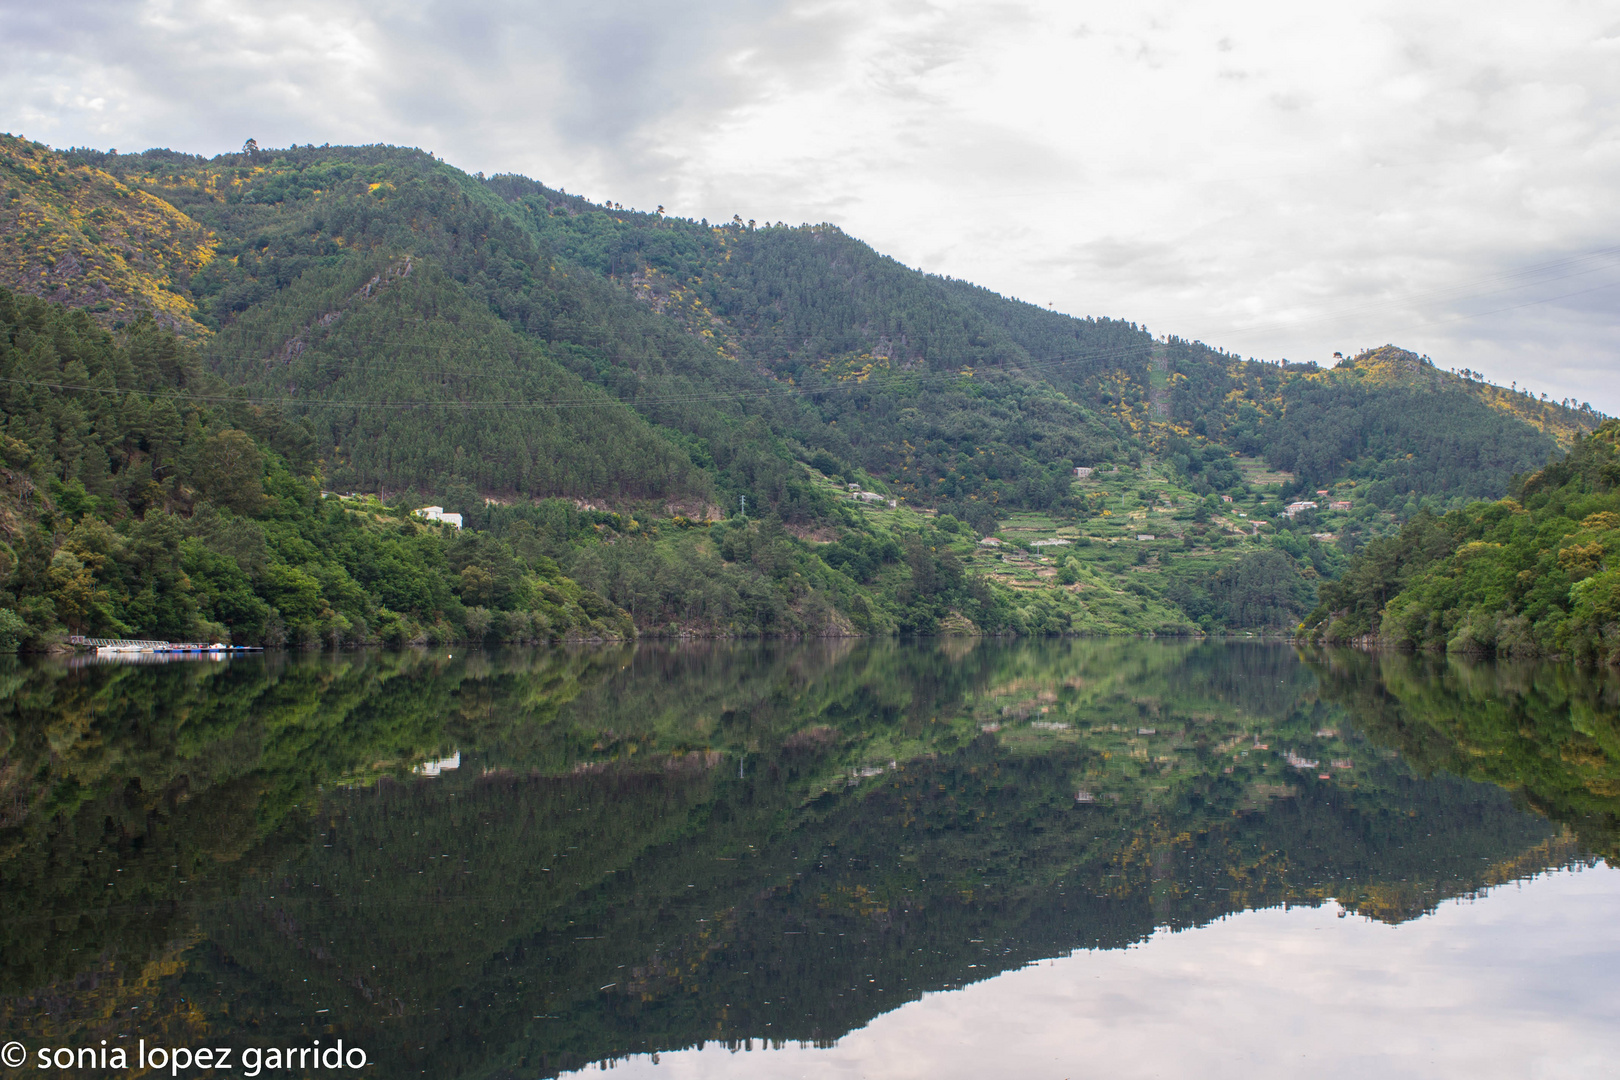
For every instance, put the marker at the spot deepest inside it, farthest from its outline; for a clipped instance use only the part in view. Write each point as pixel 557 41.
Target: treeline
pixel 743 577
pixel 1263 590
pixel 1523 576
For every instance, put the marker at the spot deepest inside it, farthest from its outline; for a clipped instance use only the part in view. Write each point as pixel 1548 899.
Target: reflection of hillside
pixel 130 794
pixel 1548 733
pixel 647 848
pixel 710 908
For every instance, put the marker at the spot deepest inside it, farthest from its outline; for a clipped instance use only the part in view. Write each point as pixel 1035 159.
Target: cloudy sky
pixel 1283 180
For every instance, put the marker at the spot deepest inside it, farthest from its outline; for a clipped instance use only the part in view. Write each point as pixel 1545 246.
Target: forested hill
pixel 75 234
pixel 488 344
pixel 1388 419
pixel 490 293
pixel 140 498
pixel 1528 575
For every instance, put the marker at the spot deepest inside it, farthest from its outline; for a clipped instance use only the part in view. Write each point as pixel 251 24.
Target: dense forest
pixel 134 510
pixel 145 499
pixel 1526 575
pixel 384 326
pixel 1407 434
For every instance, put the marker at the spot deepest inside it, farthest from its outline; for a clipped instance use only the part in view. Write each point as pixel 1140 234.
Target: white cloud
pixel 1281 180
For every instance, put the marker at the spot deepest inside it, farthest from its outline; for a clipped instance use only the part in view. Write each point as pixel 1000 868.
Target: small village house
pixel 436 513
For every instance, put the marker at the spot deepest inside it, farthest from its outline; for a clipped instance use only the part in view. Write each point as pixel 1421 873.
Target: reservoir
pixel 940 858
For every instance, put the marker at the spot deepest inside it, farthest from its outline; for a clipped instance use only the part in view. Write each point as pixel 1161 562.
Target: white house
pixel 436 513
pixel 434 768
pixel 1295 507
pixel 1082 471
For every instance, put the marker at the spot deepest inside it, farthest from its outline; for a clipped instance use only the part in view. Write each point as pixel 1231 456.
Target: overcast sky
pixel 1283 180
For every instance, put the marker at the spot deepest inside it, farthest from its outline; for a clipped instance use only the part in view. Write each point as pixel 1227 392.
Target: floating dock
pixel 136 647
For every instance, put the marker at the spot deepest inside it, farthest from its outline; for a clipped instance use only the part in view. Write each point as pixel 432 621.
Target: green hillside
pixel 524 357
pixel 1522 576
pixel 945 391
pixel 129 508
pixel 1387 420
pixel 72 233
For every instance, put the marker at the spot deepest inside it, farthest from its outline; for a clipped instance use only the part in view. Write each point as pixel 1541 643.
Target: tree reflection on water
pixel 653 847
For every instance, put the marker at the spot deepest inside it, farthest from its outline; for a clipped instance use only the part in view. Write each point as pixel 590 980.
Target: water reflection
pixel 524 863
pixel 1550 733
pixel 1519 985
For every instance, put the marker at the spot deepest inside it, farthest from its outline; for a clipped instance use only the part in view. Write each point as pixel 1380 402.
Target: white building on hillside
pixel 873 497
pixel 436 513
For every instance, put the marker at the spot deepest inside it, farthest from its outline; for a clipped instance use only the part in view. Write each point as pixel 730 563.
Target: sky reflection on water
pixel 1523 982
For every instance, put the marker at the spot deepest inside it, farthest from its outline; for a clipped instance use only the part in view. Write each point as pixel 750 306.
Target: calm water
pixel 957 859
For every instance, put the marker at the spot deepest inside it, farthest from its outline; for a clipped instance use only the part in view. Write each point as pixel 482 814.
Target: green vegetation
pixel 1406 434
pixel 73 234
pixel 131 510
pixel 1523 576
pixel 419 335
